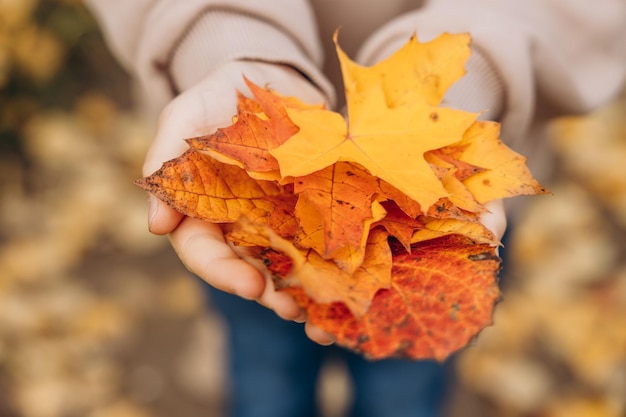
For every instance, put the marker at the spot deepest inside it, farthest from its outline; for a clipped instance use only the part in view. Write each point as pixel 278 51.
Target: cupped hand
pixel 200 245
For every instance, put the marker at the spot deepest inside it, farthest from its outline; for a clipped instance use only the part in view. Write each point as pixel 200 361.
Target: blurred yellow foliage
pixel 69 152
pixel 16 13
pixel 37 53
pixel 88 297
pixel 15 21
pixel 558 346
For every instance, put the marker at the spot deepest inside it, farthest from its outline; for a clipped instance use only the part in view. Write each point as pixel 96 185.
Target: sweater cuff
pixel 218 37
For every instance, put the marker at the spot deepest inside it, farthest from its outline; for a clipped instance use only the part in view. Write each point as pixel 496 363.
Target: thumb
pixel 190 114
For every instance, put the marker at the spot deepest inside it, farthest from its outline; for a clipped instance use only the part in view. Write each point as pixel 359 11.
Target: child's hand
pixel 200 245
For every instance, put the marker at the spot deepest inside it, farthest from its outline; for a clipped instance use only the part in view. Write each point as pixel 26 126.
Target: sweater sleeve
pixel 168 45
pixel 533 60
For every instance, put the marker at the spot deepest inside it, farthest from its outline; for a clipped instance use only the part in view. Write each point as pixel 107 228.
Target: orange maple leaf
pixel 260 125
pixel 342 195
pixel 199 186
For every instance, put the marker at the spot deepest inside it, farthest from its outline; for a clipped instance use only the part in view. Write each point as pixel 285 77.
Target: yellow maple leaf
pixel 460 196
pixel 506 174
pixel 389 139
pixel 416 72
pixel 434 228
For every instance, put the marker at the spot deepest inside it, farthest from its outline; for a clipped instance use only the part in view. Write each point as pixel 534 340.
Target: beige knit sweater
pixel 532 60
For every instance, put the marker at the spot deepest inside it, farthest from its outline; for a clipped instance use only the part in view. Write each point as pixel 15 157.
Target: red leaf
pixel 442 294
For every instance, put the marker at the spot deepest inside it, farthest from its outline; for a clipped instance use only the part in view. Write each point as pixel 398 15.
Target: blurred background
pixel 99 319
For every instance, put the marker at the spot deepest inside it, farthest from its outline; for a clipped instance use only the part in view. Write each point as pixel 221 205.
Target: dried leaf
pixel 199 186
pixel 323 281
pixel 248 140
pixel 398 224
pixel 342 196
pixel 434 228
pixel 506 173
pixel 448 174
pixel 442 294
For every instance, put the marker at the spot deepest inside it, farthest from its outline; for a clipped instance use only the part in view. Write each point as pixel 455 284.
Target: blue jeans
pixel 274 369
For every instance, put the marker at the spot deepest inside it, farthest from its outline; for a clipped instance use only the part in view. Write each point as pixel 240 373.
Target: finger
pixel 162 219
pixel 495 218
pixel 200 246
pixel 168 142
pixel 281 303
pixel 318 335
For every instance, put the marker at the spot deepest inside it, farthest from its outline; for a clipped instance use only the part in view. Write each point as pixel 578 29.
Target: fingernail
pixel 301 318
pixel 152 211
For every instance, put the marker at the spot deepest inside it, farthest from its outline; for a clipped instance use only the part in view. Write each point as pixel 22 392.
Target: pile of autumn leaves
pixel 372 225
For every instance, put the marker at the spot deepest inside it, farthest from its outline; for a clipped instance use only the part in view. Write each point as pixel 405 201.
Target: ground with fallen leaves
pixel 98 318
